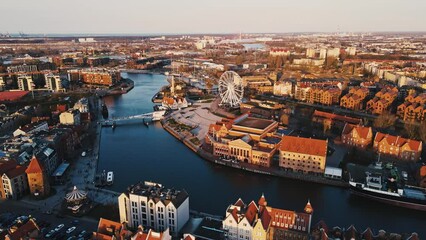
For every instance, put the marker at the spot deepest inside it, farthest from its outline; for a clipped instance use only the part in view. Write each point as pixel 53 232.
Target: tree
pixel 384 121
pixel 411 130
pixel 422 131
pixel 331 62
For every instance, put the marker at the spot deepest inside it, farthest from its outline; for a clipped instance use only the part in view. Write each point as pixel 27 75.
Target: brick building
pixel 357 136
pixel 399 147
pixel 38 180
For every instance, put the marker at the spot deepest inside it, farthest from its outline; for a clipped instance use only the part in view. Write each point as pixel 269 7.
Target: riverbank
pixel 124 86
pixel 276 172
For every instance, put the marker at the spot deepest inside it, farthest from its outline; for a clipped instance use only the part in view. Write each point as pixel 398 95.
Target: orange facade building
pixel 357 136
pixel 396 146
pixel 353 100
pixel 327 96
pixel 38 181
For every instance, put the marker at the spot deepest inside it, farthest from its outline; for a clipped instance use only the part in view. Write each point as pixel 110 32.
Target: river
pixel 137 153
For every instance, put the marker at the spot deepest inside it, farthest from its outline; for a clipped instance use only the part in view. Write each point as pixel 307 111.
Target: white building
pixel 25 83
pixel 53 82
pixel 334 52
pixel 82 105
pixel 323 53
pixel 351 51
pixel 70 117
pixel 14 183
pixel 310 53
pixel 239 220
pixel 153 206
pixel 284 88
pixel 31 128
pixel 2 84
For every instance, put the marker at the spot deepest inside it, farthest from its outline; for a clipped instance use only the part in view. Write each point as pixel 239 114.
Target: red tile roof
pixel 362 131
pixel 23 231
pixel 251 212
pixel 12 95
pixel 34 166
pixel 262 201
pixel 337 117
pixel 265 217
pixel 108 227
pixel 17 171
pixel 239 203
pixel 6 165
pixel 398 141
pixel 308 146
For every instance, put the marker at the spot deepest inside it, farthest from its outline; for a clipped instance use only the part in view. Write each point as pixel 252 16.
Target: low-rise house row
pixel 354 99
pixel 396 146
pixel 262 222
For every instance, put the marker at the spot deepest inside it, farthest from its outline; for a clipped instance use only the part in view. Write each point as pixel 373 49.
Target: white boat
pixel 110 178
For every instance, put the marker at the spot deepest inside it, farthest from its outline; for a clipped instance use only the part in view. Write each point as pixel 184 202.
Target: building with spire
pixel 38 180
pixel 262 222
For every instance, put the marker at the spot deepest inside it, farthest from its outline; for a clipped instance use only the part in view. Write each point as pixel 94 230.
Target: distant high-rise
pixel 323 53
pixel 334 52
pixel 351 51
pixel 310 53
pixel 53 82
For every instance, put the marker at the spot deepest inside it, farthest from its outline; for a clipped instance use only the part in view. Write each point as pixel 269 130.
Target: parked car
pixel 70 230
pixel 59 227
pixel 82 233
pixel 50 234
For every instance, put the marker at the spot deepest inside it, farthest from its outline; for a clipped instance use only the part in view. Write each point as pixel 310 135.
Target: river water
pixel 137 153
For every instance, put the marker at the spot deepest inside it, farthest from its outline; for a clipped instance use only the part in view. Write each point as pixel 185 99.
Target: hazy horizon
pixel 135 17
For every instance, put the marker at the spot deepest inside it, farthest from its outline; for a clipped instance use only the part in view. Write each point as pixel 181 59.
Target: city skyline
pixel 190 17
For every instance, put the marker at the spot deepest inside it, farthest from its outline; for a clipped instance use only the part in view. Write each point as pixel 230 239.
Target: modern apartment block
pixel 153 206
pixel 25 83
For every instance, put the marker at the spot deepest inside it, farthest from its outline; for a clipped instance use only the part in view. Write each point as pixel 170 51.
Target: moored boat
pixel 389 192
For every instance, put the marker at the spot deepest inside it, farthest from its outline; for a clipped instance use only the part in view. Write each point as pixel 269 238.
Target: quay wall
pixel 253 168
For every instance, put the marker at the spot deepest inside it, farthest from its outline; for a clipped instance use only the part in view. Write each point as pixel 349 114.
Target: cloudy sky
pixel 210 16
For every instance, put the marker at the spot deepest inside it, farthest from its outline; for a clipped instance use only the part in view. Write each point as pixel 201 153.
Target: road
pixel 22 208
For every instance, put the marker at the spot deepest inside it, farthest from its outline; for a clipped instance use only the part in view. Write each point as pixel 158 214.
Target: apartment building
pixel 305 155
pixel 396 146
pixel 153 206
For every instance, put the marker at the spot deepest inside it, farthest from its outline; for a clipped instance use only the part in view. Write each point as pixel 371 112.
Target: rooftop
pixel 257 123
pixel 302 145
pixel 158 192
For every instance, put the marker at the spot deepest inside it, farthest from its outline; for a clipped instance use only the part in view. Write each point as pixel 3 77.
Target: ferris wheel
pixel 231 89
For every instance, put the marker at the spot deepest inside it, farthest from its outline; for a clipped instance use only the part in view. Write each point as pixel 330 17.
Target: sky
pixel 210 16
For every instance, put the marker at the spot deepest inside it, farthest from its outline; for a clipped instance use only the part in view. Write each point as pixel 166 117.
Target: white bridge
pixel 154 116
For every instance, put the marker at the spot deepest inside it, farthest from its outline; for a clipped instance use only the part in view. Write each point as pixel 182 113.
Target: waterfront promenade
pixel 199 117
